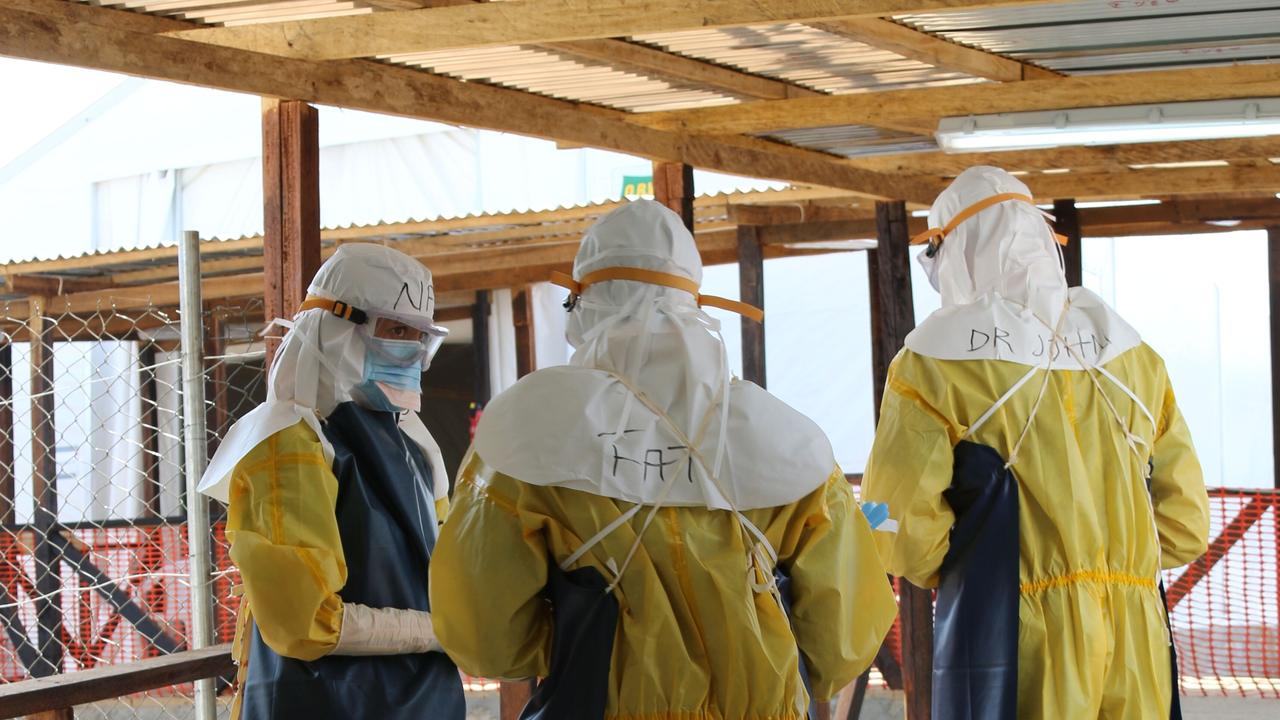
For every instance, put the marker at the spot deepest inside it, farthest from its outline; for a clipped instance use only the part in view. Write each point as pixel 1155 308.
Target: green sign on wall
pixel 637 185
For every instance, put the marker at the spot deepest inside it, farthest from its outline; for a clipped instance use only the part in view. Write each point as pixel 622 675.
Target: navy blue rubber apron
pixel 975 634
pixel 584 623
pixel 387 542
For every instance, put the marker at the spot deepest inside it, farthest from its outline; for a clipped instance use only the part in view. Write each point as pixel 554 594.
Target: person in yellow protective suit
pixel 1036 470
pixel 670 514
pixel 334 488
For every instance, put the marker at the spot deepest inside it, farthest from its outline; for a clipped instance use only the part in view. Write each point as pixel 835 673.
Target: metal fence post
pixel 198 531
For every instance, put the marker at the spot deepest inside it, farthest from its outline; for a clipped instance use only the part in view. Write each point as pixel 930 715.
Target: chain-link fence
pixel 93 491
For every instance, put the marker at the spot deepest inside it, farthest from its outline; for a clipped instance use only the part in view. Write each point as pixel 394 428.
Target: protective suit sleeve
pixel 487 576
pixel 909 468
pixel 284 539
pixel 842 605
pixel 1177 489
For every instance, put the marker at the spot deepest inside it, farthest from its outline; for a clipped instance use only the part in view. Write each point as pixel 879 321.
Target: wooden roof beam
pixel 1075 158
pixel 921 109
pixel 75 34
pixel 932 50
pixel 1152 183
pixel 531 22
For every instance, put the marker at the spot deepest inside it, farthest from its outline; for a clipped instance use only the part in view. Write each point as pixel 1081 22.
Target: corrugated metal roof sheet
pixel 1117 35
pixel 854 140
pixel 483 228
pixel 807 56
pixel 240 12
pixel 549 73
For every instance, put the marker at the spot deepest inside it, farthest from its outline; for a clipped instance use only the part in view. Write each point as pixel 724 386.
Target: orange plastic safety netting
pixel 1223 607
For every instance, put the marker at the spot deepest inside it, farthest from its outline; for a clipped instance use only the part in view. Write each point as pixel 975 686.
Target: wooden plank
pixel 81 35
pixel 1153 183
pixel 673 187
pixel 522 318
pixel 111 681
pixel 751 291
pixel 1076 158
pixel 892 317
pixel 651 62
pixel 217 418
pixel 1068 224
pixel 920 110
pixel 453 314
pixel 29 285
pixel 44 478
pixel 512 697
pixel 933 50
pixel 798 212
pixel 1180 210
pixel 822 231
pixel 531 22
pixel 7 516
pixel 1273 282
pixel 291 206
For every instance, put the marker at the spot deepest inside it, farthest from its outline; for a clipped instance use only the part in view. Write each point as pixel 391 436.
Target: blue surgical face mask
pixel 404 373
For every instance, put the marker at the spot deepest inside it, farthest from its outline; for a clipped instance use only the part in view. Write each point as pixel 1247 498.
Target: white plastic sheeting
pixel 1202 302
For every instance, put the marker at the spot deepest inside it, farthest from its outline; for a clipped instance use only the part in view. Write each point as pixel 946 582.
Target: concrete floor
pixel 885 705
pixel 879 705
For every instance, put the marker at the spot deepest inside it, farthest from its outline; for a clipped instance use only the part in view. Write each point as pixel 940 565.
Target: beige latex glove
pixel 385 631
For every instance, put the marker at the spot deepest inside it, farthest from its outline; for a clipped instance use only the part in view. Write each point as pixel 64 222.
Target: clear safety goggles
pixel 366 322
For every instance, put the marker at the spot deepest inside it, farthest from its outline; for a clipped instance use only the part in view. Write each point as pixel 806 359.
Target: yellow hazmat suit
pixel 332 499
pixel 1091 531
pixel 569 465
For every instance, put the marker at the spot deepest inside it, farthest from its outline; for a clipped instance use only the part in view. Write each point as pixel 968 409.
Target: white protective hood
pixel 1003 288
pixel 581 427
pixel 321 358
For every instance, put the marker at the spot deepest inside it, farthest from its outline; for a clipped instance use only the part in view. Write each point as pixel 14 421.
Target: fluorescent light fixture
pixel 1114 203
pixel 1208 120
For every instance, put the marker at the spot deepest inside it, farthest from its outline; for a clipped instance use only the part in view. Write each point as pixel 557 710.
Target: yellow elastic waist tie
pixel 653 277
pixel 1098 577
pixel 337 307
pixel 939 234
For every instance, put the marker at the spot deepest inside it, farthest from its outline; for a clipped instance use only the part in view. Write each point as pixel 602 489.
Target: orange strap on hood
pixel 939 234
pixel 653 277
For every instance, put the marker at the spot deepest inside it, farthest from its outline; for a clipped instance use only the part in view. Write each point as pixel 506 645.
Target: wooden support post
pixel 7 516
pixel 751 291
pixel 150 422
pixel 480 346
pixel 1068 223
pixel 215 379
pixel 44 464
pixel 522 317
pixel 291 206
pixel 892 317
pixel 673 187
